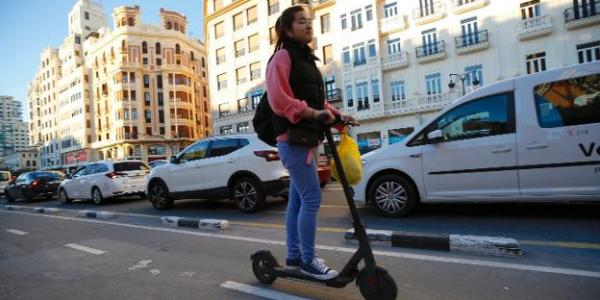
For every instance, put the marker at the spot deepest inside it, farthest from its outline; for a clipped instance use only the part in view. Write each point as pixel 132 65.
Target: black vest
pixel 306 83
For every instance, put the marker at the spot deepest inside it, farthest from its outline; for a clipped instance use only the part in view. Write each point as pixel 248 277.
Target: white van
pixel 531 138
pixel 4 180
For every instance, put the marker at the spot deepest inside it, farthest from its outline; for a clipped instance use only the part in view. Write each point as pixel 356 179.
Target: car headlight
pixel 364 161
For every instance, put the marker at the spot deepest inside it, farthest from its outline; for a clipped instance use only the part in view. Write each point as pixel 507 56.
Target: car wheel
pixel 97 196
pixel 392 196
pixel 159 196
pixel 247 194
pixel 62 197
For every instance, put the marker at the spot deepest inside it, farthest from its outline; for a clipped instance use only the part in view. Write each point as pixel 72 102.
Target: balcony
pixel 131 135
pixel 334 95
pixel 535 27
pixel 362 67
pixel 472 42
pixel 429 14
pixel 583 15
pixel 419 104
pixel 392 24
pixel 242 112
pixel 394 61
pixel 431 52
pixel 463 6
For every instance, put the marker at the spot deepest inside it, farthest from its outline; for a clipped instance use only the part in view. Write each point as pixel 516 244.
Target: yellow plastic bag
pixel 350 158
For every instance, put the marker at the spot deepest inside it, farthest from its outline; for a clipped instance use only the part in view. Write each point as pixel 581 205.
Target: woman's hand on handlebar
pixel 348 119
pixel 324 116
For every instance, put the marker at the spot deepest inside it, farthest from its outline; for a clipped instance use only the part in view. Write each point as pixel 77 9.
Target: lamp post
pixel 462 77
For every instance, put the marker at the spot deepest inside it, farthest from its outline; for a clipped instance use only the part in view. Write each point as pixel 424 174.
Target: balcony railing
pixel 582 15
pixel 392 24
pixel 424 103
pixel 471 42
pixel 394 61
pixel 131 135
pixel 462 6
pixel 535 27
pixel 333 95
pixel 430 13
pixel 432 51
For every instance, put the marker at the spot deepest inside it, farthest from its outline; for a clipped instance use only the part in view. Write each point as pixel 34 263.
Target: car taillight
pixel 36 183
pixel 113 175
pixel 269 155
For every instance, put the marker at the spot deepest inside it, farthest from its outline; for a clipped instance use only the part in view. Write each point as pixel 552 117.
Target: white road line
pixel 431 258
pixel 17 232
pixel 85 249
pixel 265 293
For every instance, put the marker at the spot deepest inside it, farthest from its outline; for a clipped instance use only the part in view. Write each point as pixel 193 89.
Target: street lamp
pixel 462 77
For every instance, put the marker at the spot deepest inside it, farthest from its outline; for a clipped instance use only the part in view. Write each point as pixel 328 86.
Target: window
pixel 473 73
pixel 144 47
pixel 251 15
pixel 349 95
pixel 217 4
pixel 362 95
pixel 157 48
pixel 346 56
pixel 253 42
pixel 588 52
pixel 160 98
pixel 536 62
pixel 343 21
pixel 255 71
pixel 393 46
pixel 430 45
pixel 241 75
pixel 325 25
pixel 356 18
pixel 272 35
pixel 177 49
pixel 397 135
pixel 372 49
pixel 130 22
pixel 159 62
pixel 147 99
pixel 223 147
pixel 434 84
pixel 220 55
pixel 568 102
pixel 369 12
pixel 375 89
pixel 159 82
pixel 359 54
pixel 240 48
pixel 256 98
pixel 145 61
pixel 219 29
pixel 148 116
pixel 469 31
pixel 426 8
pixel 161 116
pixel 227 129
pixel 146 81
pixel 221 81
pixel 243 127
pixel 194 152
pixel 169 26
pixel 238 21
pixel 327 54
pixel 530 9
pixel 398 91
pixel 488 116
pixel 273 7
pixel 86 15
pixel 390 10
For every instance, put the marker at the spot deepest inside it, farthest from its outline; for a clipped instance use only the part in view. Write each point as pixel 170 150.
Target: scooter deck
pixel 296 274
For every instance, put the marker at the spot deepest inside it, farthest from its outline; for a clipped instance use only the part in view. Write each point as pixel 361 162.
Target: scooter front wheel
pixel 377 284
pixel 262 266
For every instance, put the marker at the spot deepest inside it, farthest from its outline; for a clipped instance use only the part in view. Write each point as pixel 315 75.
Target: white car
pixel 105 179
pixel 4 180
pixel 532 138
pixel 240 167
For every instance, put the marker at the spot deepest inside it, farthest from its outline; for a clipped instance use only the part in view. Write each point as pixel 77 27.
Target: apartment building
pixel 397 63
pixel 14 135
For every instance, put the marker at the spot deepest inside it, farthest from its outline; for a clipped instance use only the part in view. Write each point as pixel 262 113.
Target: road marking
pixel 398 254
pixel 17 232
pixel 85 249
pixel 140 265
pixel 559 244
pixel 265 293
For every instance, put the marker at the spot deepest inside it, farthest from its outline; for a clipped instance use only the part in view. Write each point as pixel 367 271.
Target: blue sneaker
pixel 293 263
pixel 318 269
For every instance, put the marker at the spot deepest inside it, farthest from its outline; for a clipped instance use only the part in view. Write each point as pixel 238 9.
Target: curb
pixel 46 210
pixel 14 207
pixel 97 214
pixel 486 245
pixel 195 223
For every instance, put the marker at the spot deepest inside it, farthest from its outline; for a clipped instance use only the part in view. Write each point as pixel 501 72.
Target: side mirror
pixel 69 176
pixel 174 160
pixel 435 136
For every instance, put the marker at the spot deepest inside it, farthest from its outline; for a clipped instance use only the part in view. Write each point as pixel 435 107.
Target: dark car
pixel 30 185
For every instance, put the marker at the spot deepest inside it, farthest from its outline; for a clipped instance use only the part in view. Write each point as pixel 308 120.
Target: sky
pixel 29 26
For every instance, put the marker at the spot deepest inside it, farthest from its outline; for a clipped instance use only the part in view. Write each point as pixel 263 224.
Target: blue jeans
pixel 303 204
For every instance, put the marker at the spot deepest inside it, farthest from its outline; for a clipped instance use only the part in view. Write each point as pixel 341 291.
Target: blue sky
pixel 28 26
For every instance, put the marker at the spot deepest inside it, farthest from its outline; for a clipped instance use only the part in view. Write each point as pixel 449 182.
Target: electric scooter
pixel 373 281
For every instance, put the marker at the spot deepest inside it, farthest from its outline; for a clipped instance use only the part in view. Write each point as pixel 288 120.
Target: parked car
pixel 30 185
pixel 102 180
pixel 240 167
pixel 531 138
pixel 323 169
pixel 5 178
pixel 156 163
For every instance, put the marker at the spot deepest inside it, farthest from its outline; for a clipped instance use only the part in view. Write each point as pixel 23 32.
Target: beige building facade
pixel 392 60
pixel 134 91
pixel 26 159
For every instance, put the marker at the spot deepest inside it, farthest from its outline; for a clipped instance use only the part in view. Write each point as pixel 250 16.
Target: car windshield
pixel 130 166
pixel 4 176
pixel 50 175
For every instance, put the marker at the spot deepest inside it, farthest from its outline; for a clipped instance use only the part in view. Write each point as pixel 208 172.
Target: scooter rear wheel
pixel 261 266
pixel 377 284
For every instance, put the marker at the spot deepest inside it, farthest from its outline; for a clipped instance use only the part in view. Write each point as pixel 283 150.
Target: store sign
pixel 76 157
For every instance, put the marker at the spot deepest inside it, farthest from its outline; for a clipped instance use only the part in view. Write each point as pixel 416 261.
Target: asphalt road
pixel 561 257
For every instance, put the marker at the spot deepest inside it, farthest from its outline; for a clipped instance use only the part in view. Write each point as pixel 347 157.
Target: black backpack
pixel 263 121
